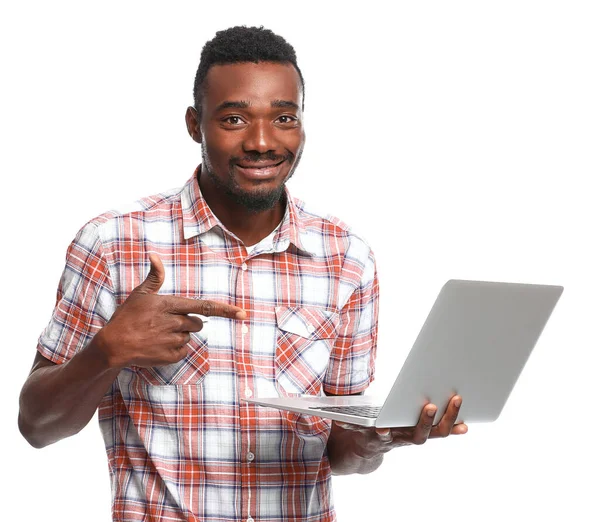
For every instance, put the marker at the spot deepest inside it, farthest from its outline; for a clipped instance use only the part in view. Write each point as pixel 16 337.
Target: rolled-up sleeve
pixel 352 359
pixel 85 299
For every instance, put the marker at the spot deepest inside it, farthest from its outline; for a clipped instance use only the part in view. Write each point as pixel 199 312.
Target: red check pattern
pixel 181 444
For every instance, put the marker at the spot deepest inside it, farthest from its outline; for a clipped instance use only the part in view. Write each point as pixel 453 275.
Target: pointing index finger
pixel 183 305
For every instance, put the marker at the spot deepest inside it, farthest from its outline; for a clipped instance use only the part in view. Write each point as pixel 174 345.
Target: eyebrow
pixel 284 104
pixel 245 105
pixel 232 105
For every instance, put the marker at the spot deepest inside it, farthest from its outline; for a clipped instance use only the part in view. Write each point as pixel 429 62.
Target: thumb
pixel 384 434
pixel 155 278
pixel 346 426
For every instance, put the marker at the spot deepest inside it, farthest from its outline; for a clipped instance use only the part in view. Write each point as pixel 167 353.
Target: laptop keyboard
pixel 370 412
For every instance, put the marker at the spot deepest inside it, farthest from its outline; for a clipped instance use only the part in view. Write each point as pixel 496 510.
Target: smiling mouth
pixel 260 171
pixel 260 166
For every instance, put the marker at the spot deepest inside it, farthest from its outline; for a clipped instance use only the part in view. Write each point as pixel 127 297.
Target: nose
pixel 259 137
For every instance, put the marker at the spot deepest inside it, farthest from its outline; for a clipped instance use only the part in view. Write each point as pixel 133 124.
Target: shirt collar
pixel 198 218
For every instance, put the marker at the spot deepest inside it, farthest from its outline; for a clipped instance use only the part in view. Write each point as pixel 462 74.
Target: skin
pixel 256 130
pixel 250 116
pixel 58 400
pixel 354 449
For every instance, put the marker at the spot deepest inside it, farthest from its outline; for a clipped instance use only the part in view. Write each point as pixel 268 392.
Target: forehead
pixel 257 83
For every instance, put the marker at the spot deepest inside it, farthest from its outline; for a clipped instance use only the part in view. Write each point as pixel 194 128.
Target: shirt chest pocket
pixel 190 370
pixel 305 337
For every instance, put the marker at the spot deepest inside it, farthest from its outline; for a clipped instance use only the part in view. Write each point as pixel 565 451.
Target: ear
pixel 192 121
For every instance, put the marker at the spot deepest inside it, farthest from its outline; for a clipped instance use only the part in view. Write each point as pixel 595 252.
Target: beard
pixel 257 200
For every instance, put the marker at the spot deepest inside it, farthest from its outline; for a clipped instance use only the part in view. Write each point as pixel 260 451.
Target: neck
pixel 249 226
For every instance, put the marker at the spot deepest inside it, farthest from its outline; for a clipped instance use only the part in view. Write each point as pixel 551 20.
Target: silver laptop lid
pixel 475 342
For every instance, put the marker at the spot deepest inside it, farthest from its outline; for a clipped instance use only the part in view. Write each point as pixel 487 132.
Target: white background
pixel 460 138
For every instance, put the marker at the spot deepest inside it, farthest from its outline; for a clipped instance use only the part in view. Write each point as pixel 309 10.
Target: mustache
pixel 257 157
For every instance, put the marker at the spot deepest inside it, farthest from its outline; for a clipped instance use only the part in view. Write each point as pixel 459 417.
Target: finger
pixel 423 428
pixel 177 354
pixel 180 339
pixel 403 434
pixel 459 429
pixel 154 279
pixel 188 323
pixel 347 426
pixel 444 428
pixel 384 434
pixel 183 305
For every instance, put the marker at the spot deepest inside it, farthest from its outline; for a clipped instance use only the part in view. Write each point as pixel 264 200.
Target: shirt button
pixel 245 328
pixel 249 519
pixel 248 392
pixel 250 456
pixel 311 329
pixel 244 266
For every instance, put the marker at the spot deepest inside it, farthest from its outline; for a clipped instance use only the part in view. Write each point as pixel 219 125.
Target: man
pixel 293 299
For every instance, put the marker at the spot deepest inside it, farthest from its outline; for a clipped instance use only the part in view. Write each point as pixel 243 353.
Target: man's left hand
pixel 372 442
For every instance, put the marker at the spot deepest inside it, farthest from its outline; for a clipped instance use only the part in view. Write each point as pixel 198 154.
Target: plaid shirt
pixel 181 445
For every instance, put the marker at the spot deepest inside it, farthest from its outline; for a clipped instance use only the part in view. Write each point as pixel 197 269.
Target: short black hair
pixel 243 44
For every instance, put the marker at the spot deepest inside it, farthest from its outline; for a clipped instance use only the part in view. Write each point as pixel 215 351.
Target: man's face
pixel 251 130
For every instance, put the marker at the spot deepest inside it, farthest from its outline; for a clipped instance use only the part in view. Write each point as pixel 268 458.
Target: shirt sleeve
pixel 352 359
pixel 85 299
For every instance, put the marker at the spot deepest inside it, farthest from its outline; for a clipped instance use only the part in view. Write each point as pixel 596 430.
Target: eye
pixel 286 119
pixel 233 120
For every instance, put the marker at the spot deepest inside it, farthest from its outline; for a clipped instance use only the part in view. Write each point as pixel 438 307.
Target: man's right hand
pixel 153 330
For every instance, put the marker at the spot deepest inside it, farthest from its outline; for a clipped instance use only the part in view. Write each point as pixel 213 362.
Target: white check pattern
pixel 181 444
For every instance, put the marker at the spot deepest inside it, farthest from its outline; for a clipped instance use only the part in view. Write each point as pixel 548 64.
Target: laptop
pixel 474 342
